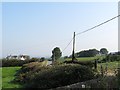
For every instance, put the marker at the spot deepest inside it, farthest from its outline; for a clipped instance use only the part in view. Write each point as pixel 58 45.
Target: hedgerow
pixel 15 62
pixel 35 75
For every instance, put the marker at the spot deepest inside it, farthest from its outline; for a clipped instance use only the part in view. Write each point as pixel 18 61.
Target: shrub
pixel 57 62
pixel 86 63
pixel 118 77
pixel 37 76
pixel 113 58
pixel 27 70
pixel 104 83
pixel 15 62
pixel 110 58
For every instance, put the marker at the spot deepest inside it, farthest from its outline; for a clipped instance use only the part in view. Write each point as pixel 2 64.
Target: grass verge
pixel 8 75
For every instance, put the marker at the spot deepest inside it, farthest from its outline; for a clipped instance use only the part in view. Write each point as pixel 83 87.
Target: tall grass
pixel 111 66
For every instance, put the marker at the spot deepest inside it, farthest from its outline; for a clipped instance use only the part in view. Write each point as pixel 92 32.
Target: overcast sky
pixel 36 28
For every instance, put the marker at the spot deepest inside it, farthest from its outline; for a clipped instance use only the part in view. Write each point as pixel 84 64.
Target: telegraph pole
pixel 73 52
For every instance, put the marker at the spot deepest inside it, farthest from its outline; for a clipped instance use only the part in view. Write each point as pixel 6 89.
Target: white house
pixel 20 57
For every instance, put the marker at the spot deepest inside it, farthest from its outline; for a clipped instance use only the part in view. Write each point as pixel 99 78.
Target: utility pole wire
pixel 67 45
pixel 90 30
pixel 98 25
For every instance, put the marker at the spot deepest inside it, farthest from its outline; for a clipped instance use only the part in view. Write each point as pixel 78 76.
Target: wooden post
pixel 95 64
pixel 73 53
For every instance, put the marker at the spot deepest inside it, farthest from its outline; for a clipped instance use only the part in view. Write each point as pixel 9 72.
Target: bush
pixel 37 76
pixel 86 63
pixel 57 62
pixel 110 58
pixel 118 77
pixel 15 62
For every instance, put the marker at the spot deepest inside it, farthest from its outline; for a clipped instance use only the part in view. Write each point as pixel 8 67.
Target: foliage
pixel 118 76
pixel 57 62
pixel 42 58
pixel 87 53
pixel 103 51
pixel 111 58
pixel 105 83
pixel 15 62
pixel 56 53
pixel 35 59
pixel 65 57
pixel 89 64
pixel 111 66
pixel 90 53
pixel 37 76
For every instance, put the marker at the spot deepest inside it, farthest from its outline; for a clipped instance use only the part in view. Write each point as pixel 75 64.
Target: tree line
pixel 90 53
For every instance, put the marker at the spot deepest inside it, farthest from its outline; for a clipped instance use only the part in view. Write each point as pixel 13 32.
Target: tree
pixel 87 53
pixel 65 57
pixel 56 53
pixel 103 51
pixel 42 58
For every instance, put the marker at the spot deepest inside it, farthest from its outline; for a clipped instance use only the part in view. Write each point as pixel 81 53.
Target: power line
pixel 67 45
pixel 89 30
pixel 98 25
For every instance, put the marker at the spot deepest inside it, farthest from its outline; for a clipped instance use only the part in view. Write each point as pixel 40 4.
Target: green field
pixel 87 58
pixel 8 76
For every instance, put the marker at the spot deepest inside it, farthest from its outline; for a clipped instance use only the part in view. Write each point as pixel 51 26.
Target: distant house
pixel 23 57
pixel 20 57
pixel 11 57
